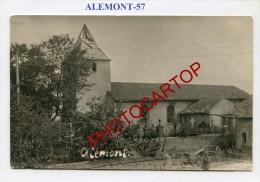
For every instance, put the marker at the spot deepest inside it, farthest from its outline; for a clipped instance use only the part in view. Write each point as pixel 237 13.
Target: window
pixel 243 137
pixel 170 114
pixel 94 67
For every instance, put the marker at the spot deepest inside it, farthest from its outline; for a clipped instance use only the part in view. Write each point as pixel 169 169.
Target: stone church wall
pixel 102 83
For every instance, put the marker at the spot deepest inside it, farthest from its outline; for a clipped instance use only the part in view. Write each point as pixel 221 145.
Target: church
pixel 201 108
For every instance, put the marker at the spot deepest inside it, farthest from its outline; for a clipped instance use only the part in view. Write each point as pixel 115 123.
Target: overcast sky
pixel 154 49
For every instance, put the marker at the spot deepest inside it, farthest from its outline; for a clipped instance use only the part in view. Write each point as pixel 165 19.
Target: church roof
pixel 87 43
pixel 122 91
pixel 201 106
pixel 244 109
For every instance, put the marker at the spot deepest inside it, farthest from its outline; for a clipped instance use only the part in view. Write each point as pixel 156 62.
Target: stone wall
pixel 191 142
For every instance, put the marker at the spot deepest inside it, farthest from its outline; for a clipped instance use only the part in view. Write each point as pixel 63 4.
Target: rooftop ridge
pixel 173 84
pixel 135 91
pixel 86 34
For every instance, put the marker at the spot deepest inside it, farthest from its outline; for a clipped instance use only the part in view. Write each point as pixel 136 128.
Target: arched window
pixel 94 67
pixel 170 114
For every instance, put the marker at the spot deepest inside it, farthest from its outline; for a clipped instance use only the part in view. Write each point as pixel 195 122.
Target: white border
pixel 153 7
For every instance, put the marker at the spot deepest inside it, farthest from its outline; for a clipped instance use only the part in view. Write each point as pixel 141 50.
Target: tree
pixel 75 72
pixel 33 126
pixel 41 74
pixel 28 146
pixel 55 50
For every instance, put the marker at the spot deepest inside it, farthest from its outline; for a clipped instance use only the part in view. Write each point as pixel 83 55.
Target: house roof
pixel 122 91
pixel 87 43
pixel 244 109
pixel 201 106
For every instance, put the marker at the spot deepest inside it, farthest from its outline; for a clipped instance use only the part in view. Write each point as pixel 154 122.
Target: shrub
pixel 147 147
pixel 31 133
pixel 150 132
pixel 84 125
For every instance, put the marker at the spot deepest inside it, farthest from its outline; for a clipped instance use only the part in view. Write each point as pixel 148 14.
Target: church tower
pixel 99 70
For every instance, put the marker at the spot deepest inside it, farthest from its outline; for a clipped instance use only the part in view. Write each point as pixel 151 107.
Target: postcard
pixel 153 93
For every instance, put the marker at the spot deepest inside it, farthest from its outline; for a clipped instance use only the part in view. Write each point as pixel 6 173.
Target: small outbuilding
pixel 243 116
pixel 206 116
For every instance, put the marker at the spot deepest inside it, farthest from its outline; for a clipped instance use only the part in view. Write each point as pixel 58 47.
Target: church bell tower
pixel 99 70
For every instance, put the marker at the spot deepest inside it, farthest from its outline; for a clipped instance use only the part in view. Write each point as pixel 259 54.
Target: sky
pixel 154 49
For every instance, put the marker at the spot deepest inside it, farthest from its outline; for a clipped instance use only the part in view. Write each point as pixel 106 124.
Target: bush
pixel 131 132
pixel 84 124
pixel 101 113
pixel 147 147
pixel 31 131
pixel 150 132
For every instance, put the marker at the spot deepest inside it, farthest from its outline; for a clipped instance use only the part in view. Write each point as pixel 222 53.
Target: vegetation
pixel 36 111
pixel 40 71
pixel 38 119
pixel 102 113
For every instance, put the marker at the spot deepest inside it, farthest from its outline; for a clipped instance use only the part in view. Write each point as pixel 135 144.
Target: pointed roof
pixel 87 43
pixel 86 34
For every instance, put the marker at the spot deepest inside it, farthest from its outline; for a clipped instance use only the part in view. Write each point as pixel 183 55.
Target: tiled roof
pixel 244 109
pixel 87 43
pixel 122 91
pixel 201 106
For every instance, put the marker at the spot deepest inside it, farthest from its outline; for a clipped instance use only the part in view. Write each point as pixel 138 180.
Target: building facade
pixel 172 112
pixel 243 117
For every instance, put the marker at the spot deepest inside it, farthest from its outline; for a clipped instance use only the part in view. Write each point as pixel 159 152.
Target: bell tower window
pixel 94 67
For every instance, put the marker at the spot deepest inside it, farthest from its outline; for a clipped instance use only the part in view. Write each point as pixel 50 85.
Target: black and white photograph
pixel 158 93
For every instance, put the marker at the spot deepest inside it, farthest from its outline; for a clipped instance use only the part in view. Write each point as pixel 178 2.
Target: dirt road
pixel 173 164
pixel 232 165
pixel 166 163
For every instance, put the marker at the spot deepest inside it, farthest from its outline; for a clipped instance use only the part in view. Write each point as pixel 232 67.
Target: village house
pixel 243 116
pixel 198 106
